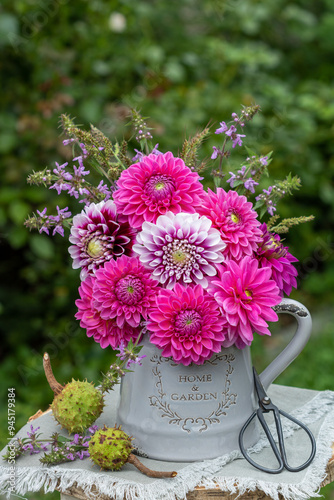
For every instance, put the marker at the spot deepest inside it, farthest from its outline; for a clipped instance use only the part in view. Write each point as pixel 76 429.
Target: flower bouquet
pixel 191 273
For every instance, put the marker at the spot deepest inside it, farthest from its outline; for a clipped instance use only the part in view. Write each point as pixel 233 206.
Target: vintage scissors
pixel 266 406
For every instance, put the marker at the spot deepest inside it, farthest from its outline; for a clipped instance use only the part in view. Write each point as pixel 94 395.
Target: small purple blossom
pixel 70 456
pixel 83 149
pixel 215 153
pixel 80 171
pixel 265 197
pixel 138 157
pixel 33 431
pixel 223 127
pixel 60 170
pixel 27 447
pixel 250 184
pixel 76 439
pixel 155 150
pixel 266 192
pixel 232 179
pixel 271 208
pixel 93 429
pixel 82 454
pixel 263 160
pixel 58 220
pixel 231 130
pixel 237 140
pixel 103 189
pixel 66 142
pixel 129 356
pixel 63 181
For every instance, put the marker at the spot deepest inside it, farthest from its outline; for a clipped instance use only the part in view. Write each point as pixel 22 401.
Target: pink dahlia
pixel 181 247
pixel 186 324
pixel 105 332
pixel 123 291
pixel 273 254
pixel 246 295
pixel 98 236
pixel 235 219
pixel 155 185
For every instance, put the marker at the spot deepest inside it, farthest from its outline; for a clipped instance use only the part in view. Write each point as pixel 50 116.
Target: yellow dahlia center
pixel 234 218
pixel 130 289
pixel 95 248
pixel 274 243
pixel 179 257
pixel 159 186
pixel 248 293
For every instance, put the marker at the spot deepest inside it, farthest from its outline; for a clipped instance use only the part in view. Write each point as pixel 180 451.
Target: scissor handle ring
pixel 248 458
pixel 312 439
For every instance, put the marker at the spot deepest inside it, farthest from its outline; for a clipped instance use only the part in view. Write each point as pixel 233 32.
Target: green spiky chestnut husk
pixel 110 448
pixel 77 406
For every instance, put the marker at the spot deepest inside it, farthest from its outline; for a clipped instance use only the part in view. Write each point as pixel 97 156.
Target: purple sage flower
pixel 223 127
pixel 138 157
pixel 155 151
pixel 215 153
pixel 237 140
pixel 249 184
pixel 93 429
pixel 232 179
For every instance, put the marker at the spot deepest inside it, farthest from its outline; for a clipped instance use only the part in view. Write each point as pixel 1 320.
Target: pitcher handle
pixel 295 346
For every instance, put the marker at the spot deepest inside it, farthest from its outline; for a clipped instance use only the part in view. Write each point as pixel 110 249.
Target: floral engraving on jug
pixel 193 393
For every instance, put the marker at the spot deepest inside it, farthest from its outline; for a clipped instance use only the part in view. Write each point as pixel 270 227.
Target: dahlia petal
pixel 188 309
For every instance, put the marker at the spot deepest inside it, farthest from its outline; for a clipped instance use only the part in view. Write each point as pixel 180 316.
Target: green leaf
pixel 42 246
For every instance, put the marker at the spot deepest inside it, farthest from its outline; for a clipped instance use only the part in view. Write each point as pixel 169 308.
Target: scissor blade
pixel 258 386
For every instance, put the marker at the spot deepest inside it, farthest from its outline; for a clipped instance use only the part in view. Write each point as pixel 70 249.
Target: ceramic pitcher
pixel 187 413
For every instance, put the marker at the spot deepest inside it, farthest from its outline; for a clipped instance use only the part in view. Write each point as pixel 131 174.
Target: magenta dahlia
pixel 180 248
pixel 186 324
pixel 155 185
pixel 246 294
pixel 105 332
pixel 98 236
pixel 124 290
pixel 235 219
pixel 271 253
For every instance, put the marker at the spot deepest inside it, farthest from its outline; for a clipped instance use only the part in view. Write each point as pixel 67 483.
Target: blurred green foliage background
pixel 182 63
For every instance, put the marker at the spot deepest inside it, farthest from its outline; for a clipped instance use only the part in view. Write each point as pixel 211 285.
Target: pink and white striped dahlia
pixel 104 332
pixel 186 324
pixel 235 219
pixel 98 236
pixel 124 290
pixel 155 185
pixel 246 295
pixel 180 248
pixel 271 253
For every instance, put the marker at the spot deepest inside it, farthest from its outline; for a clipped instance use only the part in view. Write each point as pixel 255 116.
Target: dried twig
pixel 55 386
pixel 132 459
